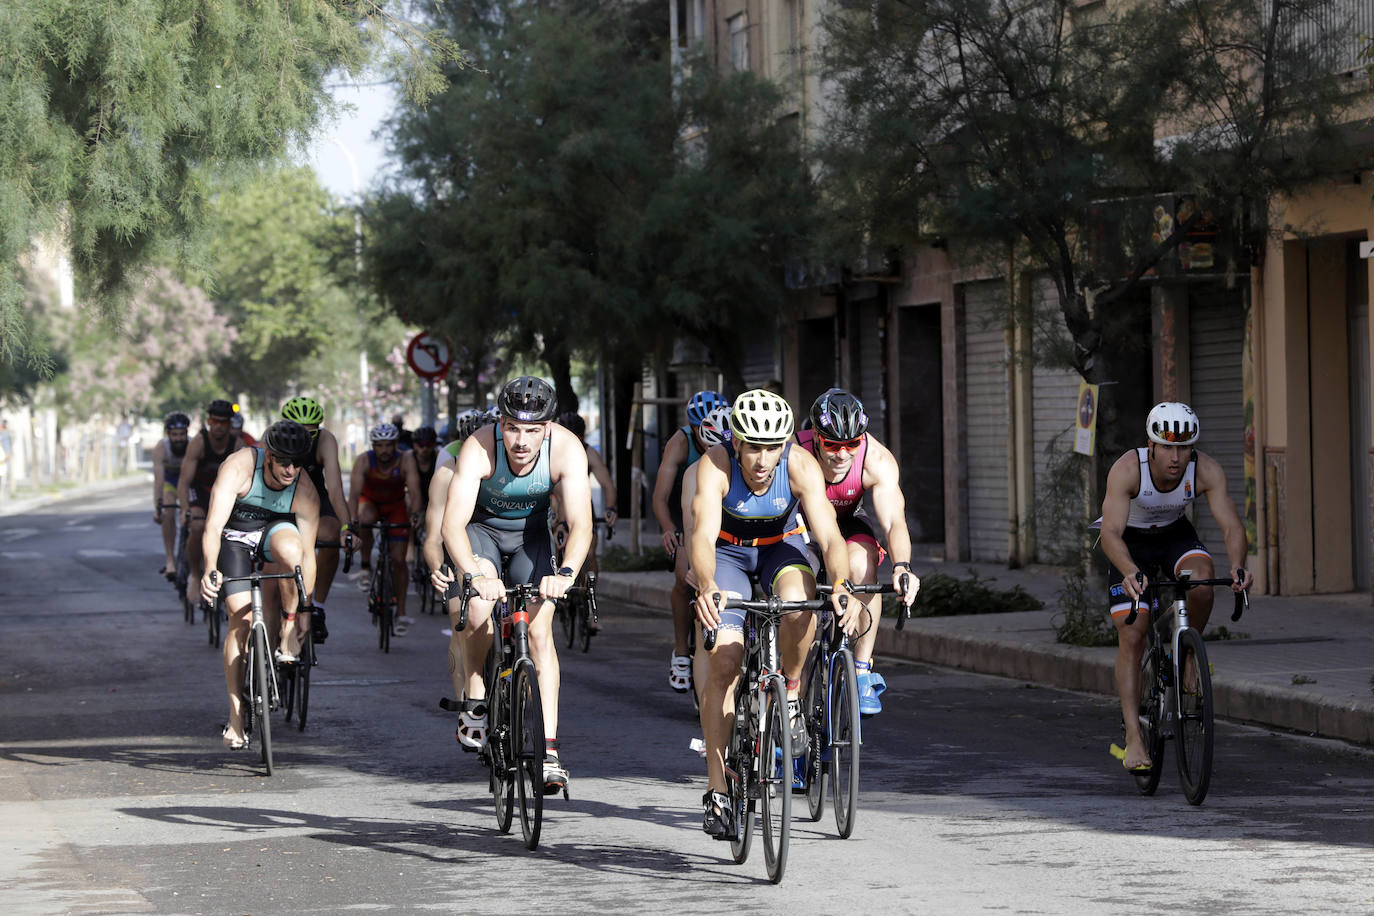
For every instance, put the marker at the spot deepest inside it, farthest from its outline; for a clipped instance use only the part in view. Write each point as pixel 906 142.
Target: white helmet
pixel 1173 423
pixel 761 417
pixel 714 428
pixel 384 432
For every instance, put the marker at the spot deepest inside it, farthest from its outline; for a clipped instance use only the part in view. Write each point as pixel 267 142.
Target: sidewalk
pixel 1306 666
pixel 27 503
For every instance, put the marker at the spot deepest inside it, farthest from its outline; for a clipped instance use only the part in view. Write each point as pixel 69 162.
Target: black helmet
pixel 289 440
pixel 573 423
pixel 176 420
pixel 528 399
pixel 838 416
pixel 220 408
pixel 425 434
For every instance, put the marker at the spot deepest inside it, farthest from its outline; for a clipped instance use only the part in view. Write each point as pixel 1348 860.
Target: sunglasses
pixel 1171 435
pixel 847 445
pixel 287 462
pixel 217 421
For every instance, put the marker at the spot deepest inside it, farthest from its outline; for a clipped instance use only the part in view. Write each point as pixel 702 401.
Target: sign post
pixel 1086 433
pixel 430 356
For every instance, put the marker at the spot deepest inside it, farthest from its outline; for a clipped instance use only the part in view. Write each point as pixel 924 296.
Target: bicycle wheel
pixel 738 765
pixel 384 604
pixel 1152 700
pixel 527 728
pixel 582 612
pixel 845 739
pixel 1194 723
pixel 261 696
pixel 562 608
pixel 775 779
pixel 301 682
pixel 499 753
pixel 815 766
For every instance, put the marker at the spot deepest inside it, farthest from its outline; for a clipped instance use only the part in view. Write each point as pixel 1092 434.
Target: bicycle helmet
pixel 573 422
pixel 528 399
pixel 220 409
pixel 288 440
pixel 425 435
pixel 176 420
pixel 1173 423
pixel 715 426
pixel 303 410
pixel 702 403
pixel 838 416
pixel 236 421
pixel 384 432
pixel 761 417
pixel 467 423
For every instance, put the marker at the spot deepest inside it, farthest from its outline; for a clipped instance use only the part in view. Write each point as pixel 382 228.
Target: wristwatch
pixel 566 571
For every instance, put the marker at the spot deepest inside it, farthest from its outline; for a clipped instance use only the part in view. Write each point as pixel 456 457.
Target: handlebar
pixel 257 577
pixel 876 588
pixel 522 593
pixel 1184 583
pixel 772 605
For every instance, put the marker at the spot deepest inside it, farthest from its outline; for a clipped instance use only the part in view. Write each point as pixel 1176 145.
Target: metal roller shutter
pixel 1054 407
pixel 1216 339
pixel 985 386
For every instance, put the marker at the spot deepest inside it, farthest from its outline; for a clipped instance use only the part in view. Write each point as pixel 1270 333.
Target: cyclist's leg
pixel 195 555
pixel 235 560
pixel 723 665
pixel 474 640
pixel 169 527
pixel 785 569
pixel 400 571
pixel 326 558
pixel 283 551
pixel 1130 647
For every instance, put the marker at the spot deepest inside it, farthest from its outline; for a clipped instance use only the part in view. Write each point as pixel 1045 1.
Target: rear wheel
pixel 1194 724
pixel 845 739
pixel 528 729
pixel 260 695
pixel 738 766
pixel 815 769
pixel 384 605
pixel 775 779
pixel 1151 722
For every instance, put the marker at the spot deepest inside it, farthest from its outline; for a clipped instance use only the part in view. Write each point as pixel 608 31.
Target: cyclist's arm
pixel 234 479
pixel 569 459
pixel 159 475
pixel 712 481
pixel 306 505
pixel 889 505
pixel 434 515
pixel 1123 482
pixel 1211 479
pixel 598 469
pixel 674 453
pixel 333 475
pixel 411 472
pixel 474 464
pixel 356 480
pixel 188 471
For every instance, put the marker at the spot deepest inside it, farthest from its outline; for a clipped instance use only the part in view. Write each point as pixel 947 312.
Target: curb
pixel 1077 668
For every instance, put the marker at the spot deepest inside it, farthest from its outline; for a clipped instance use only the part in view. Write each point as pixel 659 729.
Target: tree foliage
pixel 113 117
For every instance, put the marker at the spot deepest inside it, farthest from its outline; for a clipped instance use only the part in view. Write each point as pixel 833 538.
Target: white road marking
pixel 15 534
pixel 21 555
pixel 99 554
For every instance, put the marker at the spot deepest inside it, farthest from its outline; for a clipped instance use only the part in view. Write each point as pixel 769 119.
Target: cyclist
pixel 745 523
pixel 204 455
pixel 236 424
pixel 1144 522
pixel 682 450
pixel 425 444
pixel 385 486
pixel 262 508
pixel 167 457
pixel 497 515
pixel 853 462
pixel 322 467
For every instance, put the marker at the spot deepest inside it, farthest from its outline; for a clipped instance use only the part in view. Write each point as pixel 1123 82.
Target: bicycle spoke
pixel 1193 727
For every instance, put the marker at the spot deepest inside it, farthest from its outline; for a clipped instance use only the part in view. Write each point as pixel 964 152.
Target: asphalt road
pixel 980 794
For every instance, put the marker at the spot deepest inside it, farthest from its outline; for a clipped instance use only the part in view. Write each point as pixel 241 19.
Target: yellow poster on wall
pixel 1085 436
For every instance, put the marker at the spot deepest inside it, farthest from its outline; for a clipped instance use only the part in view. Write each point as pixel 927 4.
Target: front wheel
pixel 567 620
pixel 499 753
pixel 739 763
pixel 1152 702
pixel 845 739
pixel 302 679
pixel 527 722
pixel 1194 724
pixel 260 695
pixel 775 779
pixel 384 605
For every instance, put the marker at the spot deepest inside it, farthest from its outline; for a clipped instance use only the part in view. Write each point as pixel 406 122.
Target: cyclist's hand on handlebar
pixel 913 584
pixel 555 586
pixel 848 608
pixel 709 602
pixel 670 542
pixel 610 515
pixel 1241 580
pixel 1134 585
pixel 488 588
pixel 442 578
pixel 209 586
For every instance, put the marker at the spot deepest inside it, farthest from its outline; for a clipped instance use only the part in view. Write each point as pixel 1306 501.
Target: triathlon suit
pixel 761 534
pixel 1158 533
pixel 171 469
pixel 315 471
pixel 208 468
pixel 510 521
pixel 675 498
pixel 425 478
pixel 255 518
pixel 385 488
pixel 847 497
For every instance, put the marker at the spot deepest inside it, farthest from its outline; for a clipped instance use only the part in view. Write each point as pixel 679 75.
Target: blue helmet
pixel 702 403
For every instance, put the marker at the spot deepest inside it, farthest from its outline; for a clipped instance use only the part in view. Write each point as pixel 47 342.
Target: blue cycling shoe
pixel 871 686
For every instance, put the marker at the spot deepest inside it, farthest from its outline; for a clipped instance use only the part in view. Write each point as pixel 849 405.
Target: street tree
pixel 114 117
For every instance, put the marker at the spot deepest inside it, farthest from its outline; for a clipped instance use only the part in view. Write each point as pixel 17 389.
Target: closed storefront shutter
pixel 1216 335
pixel 986 409
pixel 1059 524
pixel 760 362
pixel 868 369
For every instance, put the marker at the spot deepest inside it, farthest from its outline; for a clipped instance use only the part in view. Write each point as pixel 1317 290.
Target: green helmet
pixel 305 411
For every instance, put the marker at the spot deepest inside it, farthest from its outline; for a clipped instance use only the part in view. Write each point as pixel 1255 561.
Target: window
pixel 739 40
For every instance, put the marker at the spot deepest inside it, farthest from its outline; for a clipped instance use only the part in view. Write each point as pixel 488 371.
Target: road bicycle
pixel 1176 684
pixel 261 691
pixel 182 573
pixel 514 751
pixel 576 612
pixel 381 588
pixel 831 707
pixel 758 755
pixel 425 594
